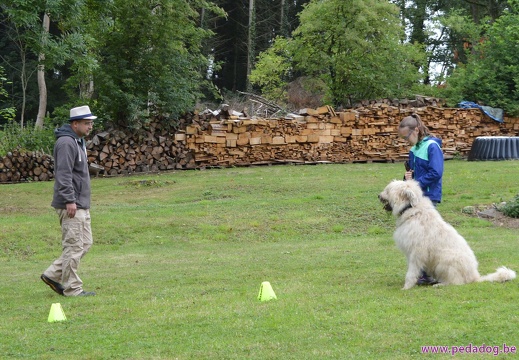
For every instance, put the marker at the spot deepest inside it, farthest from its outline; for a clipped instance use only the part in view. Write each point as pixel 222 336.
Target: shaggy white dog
pixel 428 242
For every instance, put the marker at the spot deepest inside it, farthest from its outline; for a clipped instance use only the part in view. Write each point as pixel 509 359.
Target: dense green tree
pixel 273 70
pixel 125 58
pixel 130 59
pixel 491 74
pixel 427 23
pixel 149 59
pixel 40 37
pixel 355 47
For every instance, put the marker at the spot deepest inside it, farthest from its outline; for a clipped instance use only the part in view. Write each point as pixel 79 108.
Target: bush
pixel 12 136
pixel 511 208
pixel 7 113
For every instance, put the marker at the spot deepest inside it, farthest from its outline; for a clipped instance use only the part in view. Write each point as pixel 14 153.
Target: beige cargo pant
pixel 76 241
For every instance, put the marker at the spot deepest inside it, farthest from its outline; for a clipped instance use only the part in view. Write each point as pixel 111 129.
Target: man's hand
pixel 71 210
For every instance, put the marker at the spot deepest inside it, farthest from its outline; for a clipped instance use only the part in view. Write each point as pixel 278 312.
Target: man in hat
pixel 72 202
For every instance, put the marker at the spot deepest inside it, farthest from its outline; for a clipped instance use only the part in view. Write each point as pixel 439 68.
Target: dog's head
pixel 400 195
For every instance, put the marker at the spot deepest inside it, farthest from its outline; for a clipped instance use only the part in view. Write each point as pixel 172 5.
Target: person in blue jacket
pixel 425 165
pixel 425 157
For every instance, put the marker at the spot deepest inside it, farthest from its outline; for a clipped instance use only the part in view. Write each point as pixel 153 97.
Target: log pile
pixel 155 148
pixel 323 135
pixel 367 133
pixel 21 166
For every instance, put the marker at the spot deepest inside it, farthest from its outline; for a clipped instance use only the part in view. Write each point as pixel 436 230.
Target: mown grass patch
pixel 177 266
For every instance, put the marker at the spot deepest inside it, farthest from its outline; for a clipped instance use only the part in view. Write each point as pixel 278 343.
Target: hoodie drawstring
pixel 81 146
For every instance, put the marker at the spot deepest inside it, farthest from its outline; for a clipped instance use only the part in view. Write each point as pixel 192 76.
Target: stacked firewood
pixel 155 148
pixel 323 135
pixel 21 166
pixel 209 139
pixel 456 127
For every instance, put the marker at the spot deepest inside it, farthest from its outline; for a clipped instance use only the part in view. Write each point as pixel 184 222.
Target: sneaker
pixel 426 280
pixel 86 293
pixel 56 286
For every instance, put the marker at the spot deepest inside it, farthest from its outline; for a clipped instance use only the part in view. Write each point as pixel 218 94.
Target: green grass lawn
pixel 178 260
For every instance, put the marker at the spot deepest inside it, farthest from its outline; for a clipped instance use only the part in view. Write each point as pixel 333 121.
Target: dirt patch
pixel 490 213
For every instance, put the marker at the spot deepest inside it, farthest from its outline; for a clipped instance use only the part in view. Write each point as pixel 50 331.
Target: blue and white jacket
pixel 426 160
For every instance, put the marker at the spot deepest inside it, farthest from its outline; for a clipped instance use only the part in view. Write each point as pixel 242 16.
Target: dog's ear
pixel 410 194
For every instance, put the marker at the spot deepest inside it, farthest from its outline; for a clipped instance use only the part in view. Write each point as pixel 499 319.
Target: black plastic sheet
pixel 494 148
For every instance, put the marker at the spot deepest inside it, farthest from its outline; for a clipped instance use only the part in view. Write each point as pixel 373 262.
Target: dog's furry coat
pixel 428 242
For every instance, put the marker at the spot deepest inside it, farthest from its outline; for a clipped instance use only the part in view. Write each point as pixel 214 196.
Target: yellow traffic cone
pixel 56 313
pixel 266 293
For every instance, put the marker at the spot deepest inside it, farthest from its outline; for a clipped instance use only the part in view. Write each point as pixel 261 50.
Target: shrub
pixel 511 208
pixel 7 113
pixel 13 136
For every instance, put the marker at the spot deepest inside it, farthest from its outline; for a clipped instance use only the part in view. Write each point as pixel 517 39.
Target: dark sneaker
pixel 426 280
pixel 56 286
pixel 86 293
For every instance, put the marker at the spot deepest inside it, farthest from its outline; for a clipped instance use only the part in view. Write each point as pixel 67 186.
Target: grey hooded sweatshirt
pixel 72 179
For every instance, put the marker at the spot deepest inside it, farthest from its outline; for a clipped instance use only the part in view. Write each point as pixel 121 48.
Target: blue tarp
pixel 494 113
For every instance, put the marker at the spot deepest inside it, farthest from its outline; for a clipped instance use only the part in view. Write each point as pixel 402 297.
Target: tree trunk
pixel 86 89
pixel 42 108
pixel 24 81
pixel 283 21
pixel 16 38
pixel 251 41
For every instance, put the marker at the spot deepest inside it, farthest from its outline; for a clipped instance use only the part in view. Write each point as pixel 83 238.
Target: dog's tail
pixel 502 274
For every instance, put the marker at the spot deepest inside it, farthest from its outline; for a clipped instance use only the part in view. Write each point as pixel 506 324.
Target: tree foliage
pixel 355 47
pixel 491 74
pixel 6 113
pixel 132 59
pixel 28 46
pixel 273 70
pixel 150 60
pixel 127 59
